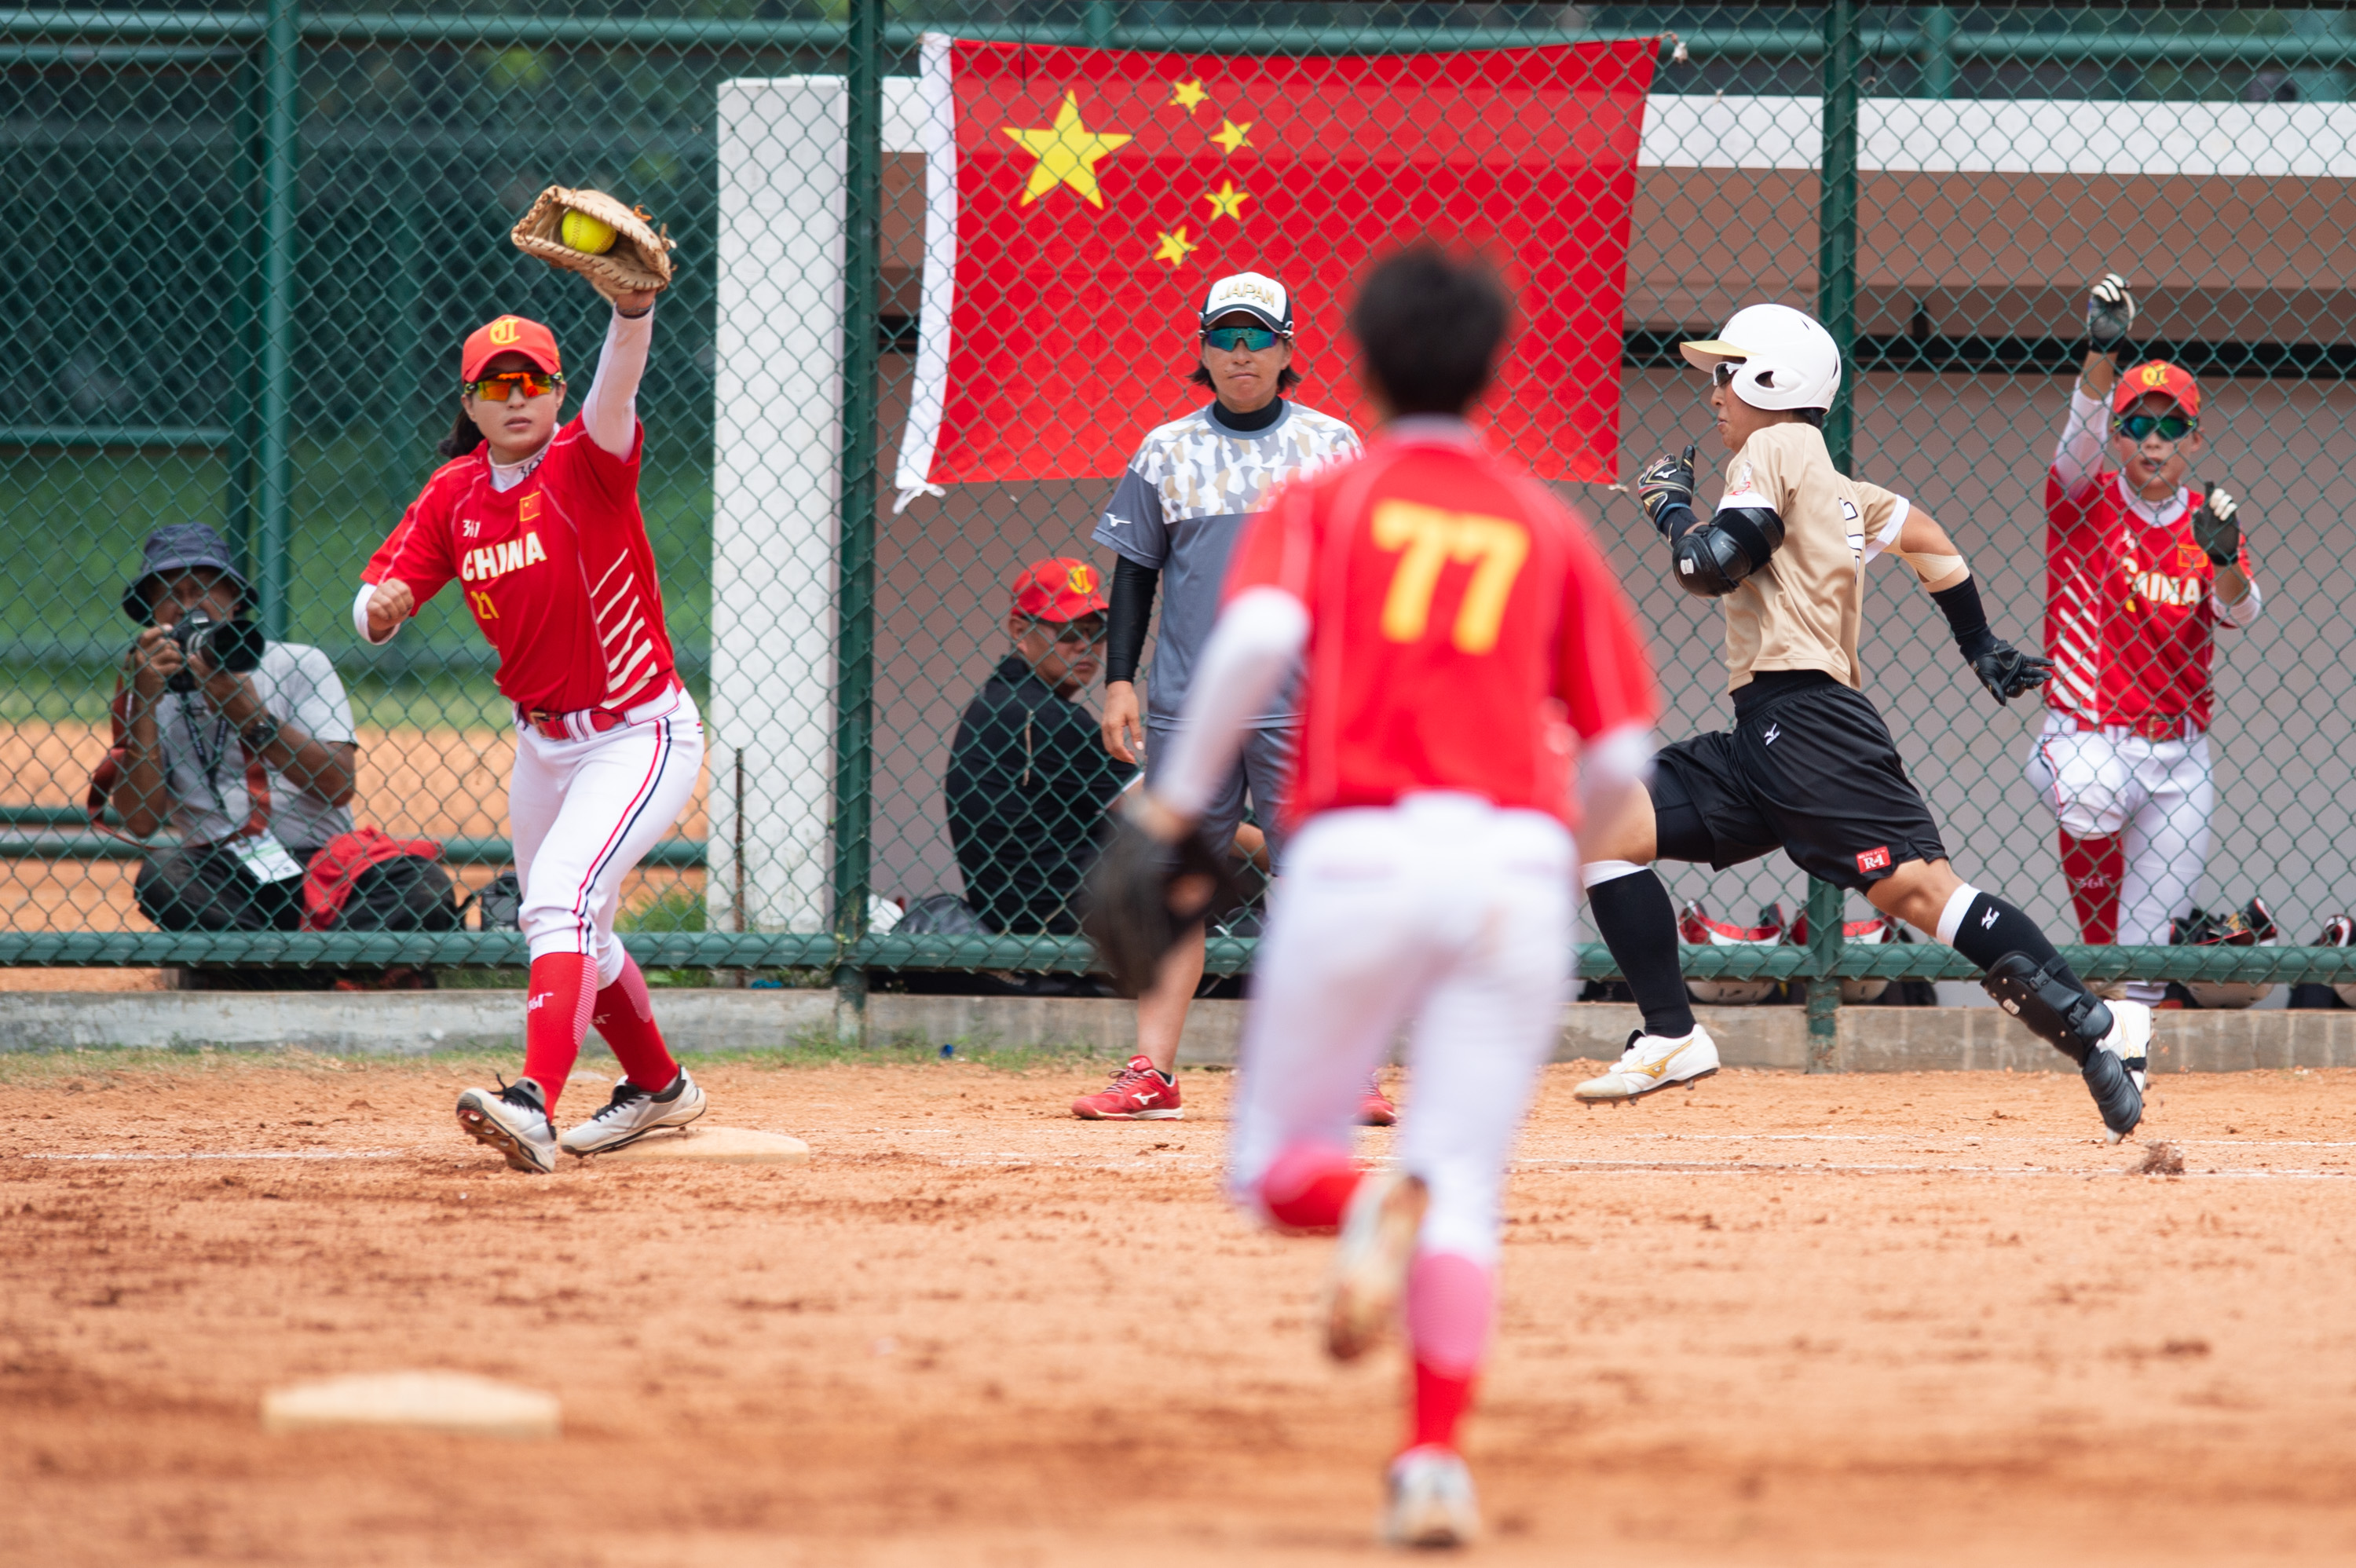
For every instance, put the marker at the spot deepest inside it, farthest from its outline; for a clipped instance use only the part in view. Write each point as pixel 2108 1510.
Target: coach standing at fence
pixel 2141 571
pixel 1172 520
pixel 541 525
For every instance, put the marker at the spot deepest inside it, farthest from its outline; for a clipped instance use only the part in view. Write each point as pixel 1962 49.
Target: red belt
pixel 2151 727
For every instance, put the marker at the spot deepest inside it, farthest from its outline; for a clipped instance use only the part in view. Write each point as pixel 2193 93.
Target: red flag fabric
pixel 1080 202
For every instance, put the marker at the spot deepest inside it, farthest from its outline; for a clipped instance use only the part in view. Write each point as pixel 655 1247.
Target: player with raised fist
pixel 2141 571
pixel 1809 767
pixel 1460 640
pixel 540 525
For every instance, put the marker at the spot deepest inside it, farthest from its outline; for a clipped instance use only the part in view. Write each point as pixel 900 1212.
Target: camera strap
pixel 257 778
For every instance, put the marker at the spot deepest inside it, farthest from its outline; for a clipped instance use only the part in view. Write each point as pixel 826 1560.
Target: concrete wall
pixel 1872 1040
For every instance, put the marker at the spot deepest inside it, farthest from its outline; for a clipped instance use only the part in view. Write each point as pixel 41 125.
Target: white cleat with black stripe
pixel 633 1113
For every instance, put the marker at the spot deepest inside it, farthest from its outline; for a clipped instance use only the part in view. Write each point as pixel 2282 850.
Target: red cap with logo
pixel 2171 381
pixel 509 335
pixel 1059 589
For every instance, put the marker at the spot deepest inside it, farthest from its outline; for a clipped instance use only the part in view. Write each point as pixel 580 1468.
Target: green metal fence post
pixel 275 576
pixel 244 313
pixel 1836 308
pixel 854 804
pixel 1939 52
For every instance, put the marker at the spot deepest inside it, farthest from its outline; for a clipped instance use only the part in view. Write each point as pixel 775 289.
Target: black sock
pixel 1993 928
pixel 1636 921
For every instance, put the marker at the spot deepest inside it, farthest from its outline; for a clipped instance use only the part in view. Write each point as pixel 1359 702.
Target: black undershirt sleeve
pixel 1131 615
pixel 1965 617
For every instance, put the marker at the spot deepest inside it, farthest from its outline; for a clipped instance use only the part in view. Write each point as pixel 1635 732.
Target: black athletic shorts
pixel 1812 771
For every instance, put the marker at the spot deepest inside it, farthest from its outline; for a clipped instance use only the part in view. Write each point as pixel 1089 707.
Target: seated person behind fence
pixel 1029 778
pixel 254 767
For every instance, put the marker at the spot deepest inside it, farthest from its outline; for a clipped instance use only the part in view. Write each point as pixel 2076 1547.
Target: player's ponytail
pixel 465 436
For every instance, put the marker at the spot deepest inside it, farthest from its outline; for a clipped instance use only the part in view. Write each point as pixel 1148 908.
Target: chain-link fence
pixel 245 245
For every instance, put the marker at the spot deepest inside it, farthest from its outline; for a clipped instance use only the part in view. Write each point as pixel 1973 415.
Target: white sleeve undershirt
pixel 610 411
pixel 2078 456
pixel 2243 612
pixel 1258 640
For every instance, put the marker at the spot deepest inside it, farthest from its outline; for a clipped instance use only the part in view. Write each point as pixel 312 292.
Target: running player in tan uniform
pixel 1809 767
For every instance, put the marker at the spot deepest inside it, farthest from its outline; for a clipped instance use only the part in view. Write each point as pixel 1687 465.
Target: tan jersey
pixel 1800 611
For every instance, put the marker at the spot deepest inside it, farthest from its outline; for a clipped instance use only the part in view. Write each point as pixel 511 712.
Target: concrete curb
pixel 415 1023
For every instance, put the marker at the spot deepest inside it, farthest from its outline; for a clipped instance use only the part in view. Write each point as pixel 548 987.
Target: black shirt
pixel 1028 783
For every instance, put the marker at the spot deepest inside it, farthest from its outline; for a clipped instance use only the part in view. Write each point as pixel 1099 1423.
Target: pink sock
pixel 625 1016
pixel 1308 1188
pixel 556 1020
pixel 1449 1303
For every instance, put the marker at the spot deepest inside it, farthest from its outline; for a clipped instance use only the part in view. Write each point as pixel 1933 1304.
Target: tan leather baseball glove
pixel 638 260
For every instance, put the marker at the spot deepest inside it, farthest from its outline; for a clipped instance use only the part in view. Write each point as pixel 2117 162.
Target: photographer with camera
pixel 246 749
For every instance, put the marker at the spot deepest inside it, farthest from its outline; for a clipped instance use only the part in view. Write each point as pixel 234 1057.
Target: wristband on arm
pixel 1130 614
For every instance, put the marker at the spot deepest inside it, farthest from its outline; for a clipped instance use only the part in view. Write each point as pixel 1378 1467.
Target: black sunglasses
pixel 2172 427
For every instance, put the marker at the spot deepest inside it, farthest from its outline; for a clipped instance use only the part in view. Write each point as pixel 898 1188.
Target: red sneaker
pixel 1375 1108
pixel 1137 1093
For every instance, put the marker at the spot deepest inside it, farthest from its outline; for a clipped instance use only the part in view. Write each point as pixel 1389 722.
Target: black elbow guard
pixel 1713 560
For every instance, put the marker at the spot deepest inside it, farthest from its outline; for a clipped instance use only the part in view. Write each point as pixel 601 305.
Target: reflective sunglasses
pixel 1229 338
pixel 534 384
pixel 1723 372
pixel 2172 427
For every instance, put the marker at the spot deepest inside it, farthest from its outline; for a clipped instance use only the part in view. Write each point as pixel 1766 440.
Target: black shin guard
pixel 2053 1002
pixel 1636 921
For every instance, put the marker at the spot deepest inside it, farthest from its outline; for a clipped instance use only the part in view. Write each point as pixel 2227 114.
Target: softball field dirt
pixel 1776 1320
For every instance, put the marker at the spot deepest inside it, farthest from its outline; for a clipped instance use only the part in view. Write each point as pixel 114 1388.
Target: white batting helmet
pixel 1783 359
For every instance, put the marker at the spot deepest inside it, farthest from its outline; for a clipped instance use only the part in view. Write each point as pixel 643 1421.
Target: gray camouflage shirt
pixel 1179 508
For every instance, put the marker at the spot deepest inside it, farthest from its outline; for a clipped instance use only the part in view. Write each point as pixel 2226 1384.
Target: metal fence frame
pixel 269 41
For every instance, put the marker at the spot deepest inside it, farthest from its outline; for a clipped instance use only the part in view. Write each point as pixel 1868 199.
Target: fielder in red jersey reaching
pixel 1463 643
pixel 2142 571
pixel 540 525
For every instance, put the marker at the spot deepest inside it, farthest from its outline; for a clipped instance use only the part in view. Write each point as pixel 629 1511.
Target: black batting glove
pixel 2110 313
pixel 2007 672
pixel 1665 486
pixel 2216 528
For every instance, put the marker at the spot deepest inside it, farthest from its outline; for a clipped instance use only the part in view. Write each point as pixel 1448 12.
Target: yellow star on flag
pixel 1186 95
pixel 1173 247
pixel 1229 134
pixel 1067 154
pixel 1227 201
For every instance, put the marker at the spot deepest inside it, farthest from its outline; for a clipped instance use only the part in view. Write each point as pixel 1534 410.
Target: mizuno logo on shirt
pixel 1988 919
pixel 492 560
pixel 1769 738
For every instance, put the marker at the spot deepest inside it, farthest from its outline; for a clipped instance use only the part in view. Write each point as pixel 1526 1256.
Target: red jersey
pixel 2130 605
pixel 556 570
pixel 1461 627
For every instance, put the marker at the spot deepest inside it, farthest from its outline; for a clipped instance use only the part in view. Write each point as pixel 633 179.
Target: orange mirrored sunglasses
pixel 497 389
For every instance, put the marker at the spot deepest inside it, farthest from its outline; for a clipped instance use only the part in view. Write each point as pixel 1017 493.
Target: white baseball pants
pixel 2155 797
pixel 1443 910
pixel 583 811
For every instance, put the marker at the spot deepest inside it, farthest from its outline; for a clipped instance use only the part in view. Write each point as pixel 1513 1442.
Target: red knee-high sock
pixel 2094 867
pixel 1308 1188
pixel 556 1020
pixel 1449 1301
pixel 625 1016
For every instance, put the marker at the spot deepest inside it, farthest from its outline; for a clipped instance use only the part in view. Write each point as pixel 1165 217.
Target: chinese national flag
pixel 1080 202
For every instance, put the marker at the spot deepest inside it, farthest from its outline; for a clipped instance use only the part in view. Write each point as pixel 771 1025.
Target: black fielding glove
pixel 1665 486
pixel 2110 313
pixel 1144 893
pixel 2215 528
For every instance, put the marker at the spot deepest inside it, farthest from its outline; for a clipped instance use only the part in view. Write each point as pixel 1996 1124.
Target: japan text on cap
pixel 1059 589
pixel 1254 293
pixel 509 335
pixel 2171 381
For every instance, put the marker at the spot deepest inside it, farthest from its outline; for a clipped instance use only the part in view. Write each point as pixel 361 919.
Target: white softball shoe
pixel 512 1120
pixel 1368 1277
pixel 633 1113
pixel 2130 1038
pixel 1430 1502
pixel 1652 1062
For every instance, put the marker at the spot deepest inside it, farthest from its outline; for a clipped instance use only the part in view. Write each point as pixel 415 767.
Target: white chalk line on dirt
pixel 238 1154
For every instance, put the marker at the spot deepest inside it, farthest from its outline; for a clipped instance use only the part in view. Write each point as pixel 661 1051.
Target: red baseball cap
pixel 1059 589
pixel 2170 381
pixel 509 335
